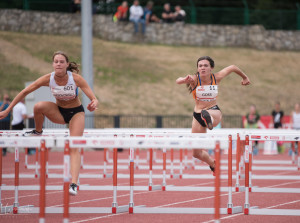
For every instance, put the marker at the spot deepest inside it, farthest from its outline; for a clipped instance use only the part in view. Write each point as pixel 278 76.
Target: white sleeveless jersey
pixel 65 93
pixel 296 120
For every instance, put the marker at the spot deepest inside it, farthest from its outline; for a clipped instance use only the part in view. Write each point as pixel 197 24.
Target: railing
pixel 283 19
pixel 148 121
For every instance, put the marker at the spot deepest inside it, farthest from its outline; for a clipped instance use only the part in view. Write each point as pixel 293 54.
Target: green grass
pixel 140 78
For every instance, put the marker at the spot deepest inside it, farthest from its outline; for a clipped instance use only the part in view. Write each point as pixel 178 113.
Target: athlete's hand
pixel 245 81
pixel 3 114
pixel 189 79
pixel 93 105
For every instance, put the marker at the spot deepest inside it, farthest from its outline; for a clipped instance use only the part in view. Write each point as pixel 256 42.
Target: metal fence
pixel 149 121
pixel 283 19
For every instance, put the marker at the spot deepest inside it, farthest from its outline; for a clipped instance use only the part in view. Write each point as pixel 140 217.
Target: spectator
pixel 179 15
pixel 277 116
pixel 148 13
pixel 167 15
pixel 5 123
pixel 251 121
pixel 76 6
pixel 136 14
pixel 121 14
pixel 295 117
pixel 19 115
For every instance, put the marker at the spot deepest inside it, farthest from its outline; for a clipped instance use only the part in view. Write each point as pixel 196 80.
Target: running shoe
pixel 73 189
pixel 33 133
pixel 207 119
pixel 213 169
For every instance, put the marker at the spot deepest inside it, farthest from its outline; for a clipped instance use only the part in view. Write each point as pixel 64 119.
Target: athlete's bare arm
pixel 81 82
pixel 42 81
pixel 232 69
pixel 189 79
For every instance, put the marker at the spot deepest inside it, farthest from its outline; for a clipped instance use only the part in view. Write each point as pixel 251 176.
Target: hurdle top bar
pixel 109 142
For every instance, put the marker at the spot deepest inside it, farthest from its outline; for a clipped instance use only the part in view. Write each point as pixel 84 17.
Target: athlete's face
pixel 204 67
pixel 60 64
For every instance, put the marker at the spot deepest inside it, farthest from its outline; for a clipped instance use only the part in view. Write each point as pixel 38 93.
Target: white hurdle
pixel 248 210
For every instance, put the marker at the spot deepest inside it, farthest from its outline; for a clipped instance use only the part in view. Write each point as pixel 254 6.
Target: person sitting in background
pixel 277 116
pixel 136 14
pixel 5 123
pixel 179 15
pixel 276 121
pixel 121 14
pixel 167 15
pixel 251 121
pixel 148 13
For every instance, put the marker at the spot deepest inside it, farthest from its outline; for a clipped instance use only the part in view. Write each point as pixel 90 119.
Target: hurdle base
pixel 282 212
pixel 248 210
pixel 235 210
pixel 154 210
pixel 108 175
pixel 240 189
pixel 7 209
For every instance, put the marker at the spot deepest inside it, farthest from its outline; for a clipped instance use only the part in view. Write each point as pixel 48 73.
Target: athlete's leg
pixel 201 154
pixel 216 116
pixel 76 127
pixel 48 109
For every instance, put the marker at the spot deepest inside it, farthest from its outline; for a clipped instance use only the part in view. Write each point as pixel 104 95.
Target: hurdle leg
pixel 17 162
pixel 164 184
pixel 185 158
pixel 298 155
pixel 42 183
pixel 0 179
pixel 131 204
pixel 246 205
pixel 172 159
pixel 229 204
pixel 104 162
pixel 26 158
pixel 293 153
pixel 115 181
pixel 181 167
pixel 66 181
pixel 36 163
pixel 47 161
pixel 250 165
pixel 217 183
pixel 137 158
pixel 150 168
pixel 81 158
pixel 237 164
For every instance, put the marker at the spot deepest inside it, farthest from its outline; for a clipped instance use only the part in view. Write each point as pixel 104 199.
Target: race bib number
pixel 207 92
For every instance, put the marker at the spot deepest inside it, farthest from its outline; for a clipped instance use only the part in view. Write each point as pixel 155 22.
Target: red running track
pixel 150 198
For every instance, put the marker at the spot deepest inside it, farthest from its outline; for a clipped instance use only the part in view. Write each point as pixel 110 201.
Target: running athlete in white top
pixel 204 87
pixel 63 83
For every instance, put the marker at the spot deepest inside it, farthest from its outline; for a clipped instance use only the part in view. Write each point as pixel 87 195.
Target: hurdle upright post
pixel 229 204
pixel 26 158
pixel 66 181
pixel 131 204
pixel 115 181
pixel 36 162
pixel 298 155
pixel 0 179
pixel 17 162
pixel 217 183
pixel 164 169
pixel 181 167
pixel 42 183
pixel 172 159
pixel 150 168
pixel 237 160
pixel 246 159
pixel 104 162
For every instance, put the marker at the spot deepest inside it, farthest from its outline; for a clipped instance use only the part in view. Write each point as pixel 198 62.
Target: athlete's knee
pixel 197 154
pixel 39 107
